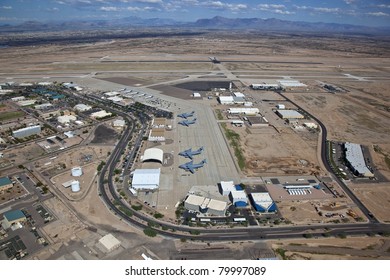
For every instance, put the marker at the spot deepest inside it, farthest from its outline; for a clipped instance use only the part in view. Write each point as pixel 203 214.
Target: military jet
pixel 190 154
pixel 186 115
pixel 187 122
pixel 191 166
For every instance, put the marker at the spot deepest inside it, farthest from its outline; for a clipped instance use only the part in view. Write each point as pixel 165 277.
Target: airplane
pixel 187 122
pixel 186 115
pixel 190 154
pixel 191 166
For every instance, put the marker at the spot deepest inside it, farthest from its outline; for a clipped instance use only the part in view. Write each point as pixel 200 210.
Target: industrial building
pixel 289 114
pixel 205 205
pixel 27 131
pixel 153 154
pixel 111 93
pixel 311 125
pixel 157 135
pixel 82 108
pixel 196 95
pixel 257 121
pixel 24 103
pixel 226 100
pixel 244 111
pixel 18 98
pixel 5 184
pixel 355 158
pixel 43 106
pixel 263 202
pixel 100 114
pixel 238 198
pixel 13 217
pixel 281 106
pixel 109 242
pixel 146 179
pixel 115 98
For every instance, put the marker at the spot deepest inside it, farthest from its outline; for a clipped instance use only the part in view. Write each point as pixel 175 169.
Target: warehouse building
pixel 266 86
pixel 153 154
pixel 206 206
pixel 66 119
pixel 146 179
pixel 244 111
pixel 291 83
pixel 24 103
pixel 82 108
pixel 43 106
pixel 226 100
pixel 263 202
pixel 355 158
pixel 118 123
pixel 289 114
pixel 5 184
pixel 27 131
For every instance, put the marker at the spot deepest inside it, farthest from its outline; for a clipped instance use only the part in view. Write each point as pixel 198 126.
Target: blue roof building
pixel 5 183
pixel 263 202
pixel 14 216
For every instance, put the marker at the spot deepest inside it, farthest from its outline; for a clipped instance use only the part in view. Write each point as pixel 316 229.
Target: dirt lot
pixel 351 248
pixel 105 135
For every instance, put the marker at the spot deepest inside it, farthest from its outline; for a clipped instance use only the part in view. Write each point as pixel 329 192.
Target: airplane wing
pixel 191 169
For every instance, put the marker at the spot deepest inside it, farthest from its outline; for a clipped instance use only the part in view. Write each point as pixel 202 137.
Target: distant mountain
pixel 273 24
pixel 217 22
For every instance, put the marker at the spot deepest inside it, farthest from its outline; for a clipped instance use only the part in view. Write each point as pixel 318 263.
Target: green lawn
pixel 10 115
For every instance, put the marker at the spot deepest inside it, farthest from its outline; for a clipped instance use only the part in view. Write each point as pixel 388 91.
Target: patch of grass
pixel 10 115
pixel 137 207
pixel 282 253
pixel 234 139
pixel 128 212
pixel 219 114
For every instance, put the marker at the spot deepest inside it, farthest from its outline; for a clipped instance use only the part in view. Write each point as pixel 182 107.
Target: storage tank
pixel 75 186
pixel 77 171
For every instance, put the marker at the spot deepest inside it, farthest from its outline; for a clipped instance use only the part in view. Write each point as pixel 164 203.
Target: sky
pixel 358 12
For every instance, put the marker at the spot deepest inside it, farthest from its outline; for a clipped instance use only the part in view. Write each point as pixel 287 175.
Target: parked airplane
pixel 186 115
pixel 191 166
pixel 187 122
pixel 189 153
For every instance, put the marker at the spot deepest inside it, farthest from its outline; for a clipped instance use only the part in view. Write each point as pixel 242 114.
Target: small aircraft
pixel 187 122
pixel 186 115
pixel 191 166
pixel 190 154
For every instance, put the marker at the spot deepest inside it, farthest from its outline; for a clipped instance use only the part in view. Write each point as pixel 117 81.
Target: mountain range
pixel 218 22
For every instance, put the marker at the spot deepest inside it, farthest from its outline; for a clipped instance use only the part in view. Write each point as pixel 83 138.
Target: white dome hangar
pixel 153 154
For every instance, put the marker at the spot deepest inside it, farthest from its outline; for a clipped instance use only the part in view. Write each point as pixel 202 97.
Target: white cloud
pixel 318 9
pixel 275 8
pixel 384 6
pixel 55 9
pixel 378 14
pixel 6 7
pixel 223 6
pixel 109 9
pixel 349 2
pixel 271 6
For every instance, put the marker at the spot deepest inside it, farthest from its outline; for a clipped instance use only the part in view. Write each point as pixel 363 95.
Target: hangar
pixel 263 202
pixel 355 158
pixel 146 179
pixel 289 114
pixel 205 205
pixel 153 154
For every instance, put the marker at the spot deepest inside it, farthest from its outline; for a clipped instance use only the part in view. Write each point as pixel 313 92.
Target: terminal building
pixel 238 198
pixel 205 205
pixel 27 131
pixel 355 159
pixel 263 202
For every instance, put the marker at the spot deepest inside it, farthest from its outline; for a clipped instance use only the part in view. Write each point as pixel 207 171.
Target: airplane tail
pixel 204 161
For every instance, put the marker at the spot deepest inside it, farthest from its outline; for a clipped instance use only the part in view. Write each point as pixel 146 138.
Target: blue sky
pixel 360 12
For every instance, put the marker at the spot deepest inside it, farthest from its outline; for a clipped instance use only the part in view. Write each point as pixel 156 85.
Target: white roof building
pixel 115 98
pixel 227 187
pixel 111 93
pixel 289 114
pixel 263 202
pixel 205 205
pixel 196 95
pixel 43 106
pixel 281 106
pixel 224 100
pixel 77 171
pixel 354 155
pixel 118 123
pixel 311 125
pixel 100 114
pixel 18 98
pixel 245 111
pixel 216 207
pixel 291 83
pixel 153 154
pixel 146 179
pixel 66 119
pixel 109 242
pixel 238 94
pixel 238 196
pixel 82 107
pixel 26 102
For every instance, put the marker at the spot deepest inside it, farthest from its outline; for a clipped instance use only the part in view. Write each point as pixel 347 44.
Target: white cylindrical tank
pixel 75 186
pixel 77 171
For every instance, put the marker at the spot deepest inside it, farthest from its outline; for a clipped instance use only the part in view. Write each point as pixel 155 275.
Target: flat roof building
pixel 27 131
pixel 244 111
pixel 263 202
pixel 100 114
pixel 225 100
pixel 146 179
pixel 159 123
pixel 109 242
pixel 118 123
pixel 66 119
pixel 238 198
pixel 257 121
pixel 291 83
pixel 14 216
pixel 205 205
pixel 226 187
pixel 5 184
pixel 289 114
pixel 355 158
pixel 82 107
